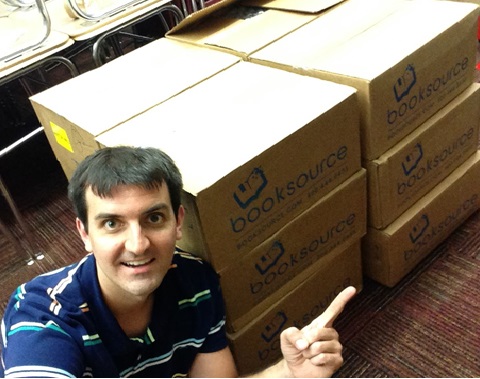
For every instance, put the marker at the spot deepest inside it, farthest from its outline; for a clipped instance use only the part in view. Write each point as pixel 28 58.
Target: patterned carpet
pixel 426 326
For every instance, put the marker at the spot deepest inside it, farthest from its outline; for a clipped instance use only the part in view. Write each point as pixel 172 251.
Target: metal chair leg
pixel 7 232
pixel 32 251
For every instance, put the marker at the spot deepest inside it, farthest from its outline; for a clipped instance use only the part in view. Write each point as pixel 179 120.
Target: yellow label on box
pixel 61 136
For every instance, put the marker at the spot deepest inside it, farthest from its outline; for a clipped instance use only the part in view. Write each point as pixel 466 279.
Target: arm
pixel 40 350
pixel 219 364
pixel 313 351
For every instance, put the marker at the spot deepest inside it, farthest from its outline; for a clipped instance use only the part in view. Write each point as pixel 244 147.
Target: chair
pixel 12 39
pixel 111 41
pixel 90 10
pixel 33 252
pixel 16 61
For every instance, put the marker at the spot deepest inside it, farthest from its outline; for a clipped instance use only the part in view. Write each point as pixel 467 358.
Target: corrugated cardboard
pixel 75 112
pixel 258 345
pixel 307 6
pixel 256 147
pixel 264 275
pixel 421 160
pixel 468 1
pixel 391 253
pixel 241 28
pixel 407 59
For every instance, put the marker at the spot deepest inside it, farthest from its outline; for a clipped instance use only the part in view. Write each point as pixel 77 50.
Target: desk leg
pixel 33 254
pixel 5 231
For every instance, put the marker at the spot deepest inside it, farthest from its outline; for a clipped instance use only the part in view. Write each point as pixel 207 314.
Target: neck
pixel 133 316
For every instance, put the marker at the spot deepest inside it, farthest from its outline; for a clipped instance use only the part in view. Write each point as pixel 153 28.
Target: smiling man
pixel 136 305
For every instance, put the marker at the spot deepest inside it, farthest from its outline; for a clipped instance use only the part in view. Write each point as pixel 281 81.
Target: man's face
pixel 133 235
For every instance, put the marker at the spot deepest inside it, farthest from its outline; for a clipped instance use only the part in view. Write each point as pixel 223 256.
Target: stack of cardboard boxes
pixel 422 189
pixel 277 112
pixel 412 63
pixel 275 195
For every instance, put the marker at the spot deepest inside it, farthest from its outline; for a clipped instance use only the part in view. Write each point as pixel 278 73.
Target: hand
pixel 315 350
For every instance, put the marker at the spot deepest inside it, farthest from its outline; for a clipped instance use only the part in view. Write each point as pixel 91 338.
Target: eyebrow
pixel 154 208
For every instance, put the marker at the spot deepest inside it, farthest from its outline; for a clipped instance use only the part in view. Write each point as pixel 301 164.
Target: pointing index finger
pixel 327 318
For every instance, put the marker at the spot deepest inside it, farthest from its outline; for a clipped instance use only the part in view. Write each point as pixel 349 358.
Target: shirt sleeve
pixel 35 344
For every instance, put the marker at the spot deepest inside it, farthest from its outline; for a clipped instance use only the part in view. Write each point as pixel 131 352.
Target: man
pixel 136 305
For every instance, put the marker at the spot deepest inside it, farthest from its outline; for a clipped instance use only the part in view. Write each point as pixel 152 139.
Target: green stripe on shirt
pixel 204 295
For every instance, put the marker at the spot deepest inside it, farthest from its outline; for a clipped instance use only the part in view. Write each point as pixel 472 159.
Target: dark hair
pixel 110 167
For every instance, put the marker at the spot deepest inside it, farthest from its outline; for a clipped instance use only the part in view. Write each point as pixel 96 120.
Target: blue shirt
pixel 58 325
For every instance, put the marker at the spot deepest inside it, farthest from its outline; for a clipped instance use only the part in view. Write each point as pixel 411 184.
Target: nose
pixel 136 242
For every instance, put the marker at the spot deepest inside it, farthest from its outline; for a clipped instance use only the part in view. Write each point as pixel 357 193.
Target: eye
pixel 111 224
pixel 155 218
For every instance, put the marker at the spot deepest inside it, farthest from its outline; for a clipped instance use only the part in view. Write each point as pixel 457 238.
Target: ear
pixel 180 218
pixel 84 235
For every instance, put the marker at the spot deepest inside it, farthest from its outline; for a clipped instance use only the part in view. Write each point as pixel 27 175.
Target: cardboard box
pixel 421 160
pixel 75 112
pixel 241 28
pixel 391 253
pixel 468 1
pixel 255 151
pixel 258 345
pixel 316 7
pixel 407 59
pixel 264 275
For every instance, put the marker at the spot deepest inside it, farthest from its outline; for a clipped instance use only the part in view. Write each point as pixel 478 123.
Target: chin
pixel 142 288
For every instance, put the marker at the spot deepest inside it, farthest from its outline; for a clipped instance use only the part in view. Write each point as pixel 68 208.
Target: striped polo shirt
pixel 58 325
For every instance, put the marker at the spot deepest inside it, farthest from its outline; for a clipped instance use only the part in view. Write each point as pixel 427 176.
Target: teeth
pixel 138 263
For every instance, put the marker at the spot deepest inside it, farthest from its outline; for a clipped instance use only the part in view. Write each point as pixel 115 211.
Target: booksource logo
pixel 271 267
pixel 250 195
pixel 270 258
pixel 419 228
pixel 405 83
pixel 414 170
pixel 271 336
pixel 274 327
pixel 402 87
pixel 411 160
pixel 425 234
pixel 409 165
pixel 407 100
pixel 251 188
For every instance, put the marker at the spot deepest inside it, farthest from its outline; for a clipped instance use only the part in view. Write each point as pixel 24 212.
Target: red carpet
pixel 428 325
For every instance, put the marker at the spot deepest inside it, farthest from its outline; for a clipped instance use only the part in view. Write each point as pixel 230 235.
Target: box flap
pixel 355 30
pixel 241 30
pixel 308 6
pixel 197 16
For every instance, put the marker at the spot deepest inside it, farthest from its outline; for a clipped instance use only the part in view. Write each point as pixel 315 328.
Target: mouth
pixel 144 262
